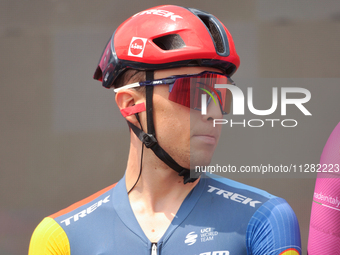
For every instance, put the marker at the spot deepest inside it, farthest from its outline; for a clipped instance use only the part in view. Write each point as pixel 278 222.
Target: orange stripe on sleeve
pixel 81 202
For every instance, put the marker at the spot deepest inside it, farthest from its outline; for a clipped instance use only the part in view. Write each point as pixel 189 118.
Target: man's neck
pixel 158 194
pixel 157 182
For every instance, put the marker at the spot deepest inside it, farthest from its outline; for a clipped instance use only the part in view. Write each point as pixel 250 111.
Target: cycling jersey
pixel 218 217
pixel 324 229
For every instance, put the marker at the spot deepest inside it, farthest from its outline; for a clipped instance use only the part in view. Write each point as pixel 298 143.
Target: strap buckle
pixel 149 140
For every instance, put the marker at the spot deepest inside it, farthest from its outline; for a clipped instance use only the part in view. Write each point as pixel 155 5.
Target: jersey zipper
pixel 154 249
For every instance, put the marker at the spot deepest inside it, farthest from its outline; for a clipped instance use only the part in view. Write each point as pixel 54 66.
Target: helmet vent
pixel 169 42
pixel 214 31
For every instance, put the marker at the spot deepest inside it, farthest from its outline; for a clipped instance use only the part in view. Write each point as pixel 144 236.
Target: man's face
pixel 187 135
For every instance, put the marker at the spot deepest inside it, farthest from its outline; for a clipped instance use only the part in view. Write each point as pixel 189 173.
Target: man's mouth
pixel 208 139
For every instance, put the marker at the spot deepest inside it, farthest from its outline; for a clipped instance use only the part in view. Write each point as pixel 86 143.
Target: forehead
pixel 158 74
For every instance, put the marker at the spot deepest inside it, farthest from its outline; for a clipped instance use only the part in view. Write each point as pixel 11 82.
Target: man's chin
pixel 201 158
pixel 202 162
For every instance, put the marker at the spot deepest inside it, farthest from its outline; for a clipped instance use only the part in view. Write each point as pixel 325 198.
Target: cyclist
pixel 161 62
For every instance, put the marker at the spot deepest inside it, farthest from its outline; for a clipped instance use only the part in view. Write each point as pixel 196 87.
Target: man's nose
pixel 213 110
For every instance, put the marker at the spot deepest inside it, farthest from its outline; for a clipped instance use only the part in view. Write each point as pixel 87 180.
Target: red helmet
pixel 167 36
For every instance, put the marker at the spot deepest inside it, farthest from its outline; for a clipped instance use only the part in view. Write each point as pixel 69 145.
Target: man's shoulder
pixel 89 203
pixel 54 231
pixel 236 194
pixel 224 185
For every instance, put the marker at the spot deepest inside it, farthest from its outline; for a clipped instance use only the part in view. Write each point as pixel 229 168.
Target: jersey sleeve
pixel 49 239
pixel 274 230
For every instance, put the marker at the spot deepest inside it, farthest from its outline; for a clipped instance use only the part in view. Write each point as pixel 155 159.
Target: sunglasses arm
pixel 129 86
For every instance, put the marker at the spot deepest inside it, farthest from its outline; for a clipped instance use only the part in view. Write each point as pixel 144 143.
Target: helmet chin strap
pixel 150 141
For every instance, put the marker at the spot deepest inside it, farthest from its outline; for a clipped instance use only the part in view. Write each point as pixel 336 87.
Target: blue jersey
pixel 218 217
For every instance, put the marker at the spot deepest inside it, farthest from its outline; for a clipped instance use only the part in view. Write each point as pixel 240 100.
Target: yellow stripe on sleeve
pixel 49 239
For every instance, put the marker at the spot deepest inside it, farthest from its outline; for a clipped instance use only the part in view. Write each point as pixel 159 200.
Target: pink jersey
pixel 324 230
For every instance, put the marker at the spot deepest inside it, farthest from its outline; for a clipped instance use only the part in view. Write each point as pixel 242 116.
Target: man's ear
pixel 127 98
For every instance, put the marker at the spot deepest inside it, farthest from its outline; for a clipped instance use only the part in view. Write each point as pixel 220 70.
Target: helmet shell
pixel 167 36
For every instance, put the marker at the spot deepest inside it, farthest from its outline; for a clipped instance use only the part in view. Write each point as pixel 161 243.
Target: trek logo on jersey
pixel 137 46
pixel 163 13
pixel 85 212
pixel 234 196
pixel 191 238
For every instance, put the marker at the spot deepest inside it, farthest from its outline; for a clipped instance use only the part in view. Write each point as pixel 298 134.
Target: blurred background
pixel 62 137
